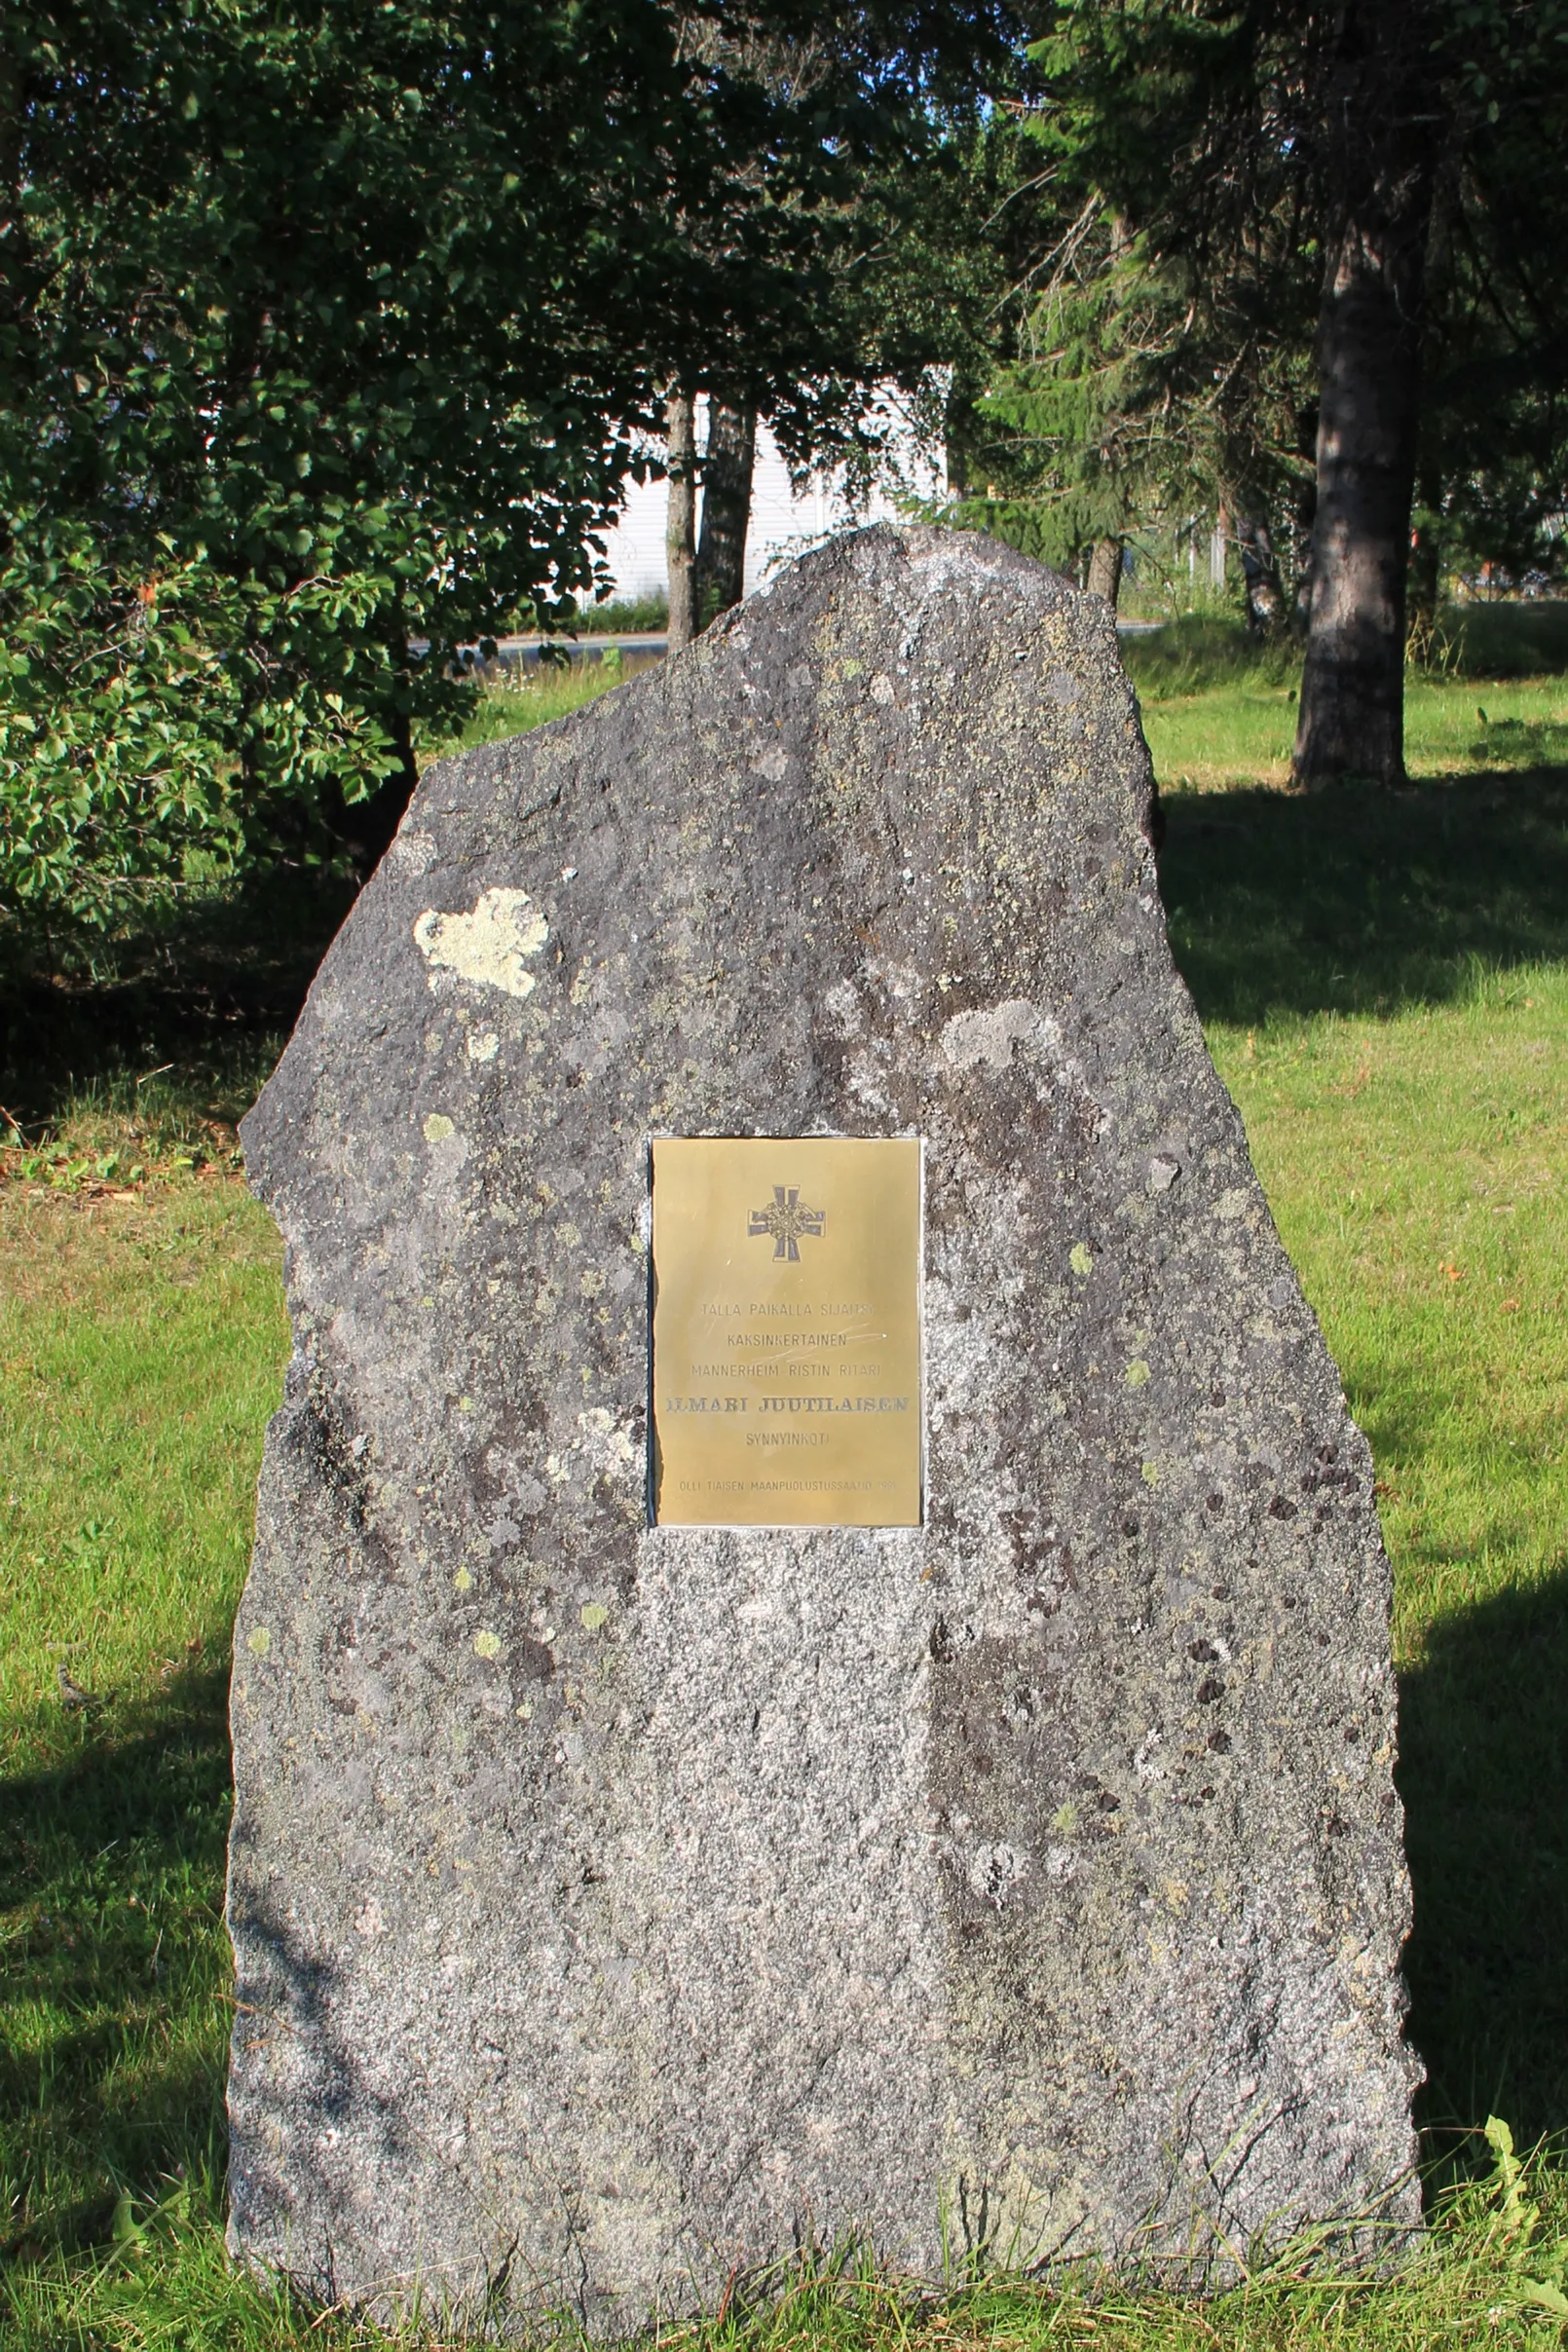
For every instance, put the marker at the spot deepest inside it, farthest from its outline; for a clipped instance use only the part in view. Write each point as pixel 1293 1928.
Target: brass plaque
pixel 787 1332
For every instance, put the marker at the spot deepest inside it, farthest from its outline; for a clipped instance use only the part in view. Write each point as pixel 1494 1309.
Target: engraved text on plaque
pixel 787 1331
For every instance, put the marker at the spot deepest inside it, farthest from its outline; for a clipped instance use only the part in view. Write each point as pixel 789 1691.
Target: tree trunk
pixel 726 509
pixel 1306 508
pixel 1260 574
pixel 1426 574
pixel 1106 569
pixel 680 534
pixel 1352 716
pixel 367 827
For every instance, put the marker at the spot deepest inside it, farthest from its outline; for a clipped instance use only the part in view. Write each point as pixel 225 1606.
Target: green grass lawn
pixel 1220 712
pixel 1243 734
pixel 1385 984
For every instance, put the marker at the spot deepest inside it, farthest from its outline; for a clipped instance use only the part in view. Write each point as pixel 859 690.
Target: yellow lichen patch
pixel 486 1644
pixel 488 946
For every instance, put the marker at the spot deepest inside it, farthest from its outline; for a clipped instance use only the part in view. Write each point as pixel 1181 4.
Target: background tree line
pixel 329 331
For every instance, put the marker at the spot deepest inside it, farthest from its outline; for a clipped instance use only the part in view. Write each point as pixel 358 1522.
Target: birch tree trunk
pixel 726 477
pixel 1106 569
pixel 680 531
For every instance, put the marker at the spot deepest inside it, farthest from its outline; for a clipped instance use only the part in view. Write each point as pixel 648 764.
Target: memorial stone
pixel 817 1662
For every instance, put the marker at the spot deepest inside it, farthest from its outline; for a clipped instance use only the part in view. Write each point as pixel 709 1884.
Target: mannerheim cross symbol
pixel 786 1224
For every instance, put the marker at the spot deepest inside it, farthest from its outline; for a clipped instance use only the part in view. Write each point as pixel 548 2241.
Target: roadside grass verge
pixel 1385 984
pixel 521 696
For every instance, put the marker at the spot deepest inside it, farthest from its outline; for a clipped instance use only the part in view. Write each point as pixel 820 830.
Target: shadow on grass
pixel 1483 1770
pixel 111 1872
pixel 1363 901
pixel 211 984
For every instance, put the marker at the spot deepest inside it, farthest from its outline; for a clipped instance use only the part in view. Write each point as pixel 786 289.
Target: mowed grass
pixel 1416 1167
pixel 141 1344
pixel 1243 733
pixel 529 694
pixel 1219 713
pixel 1385 984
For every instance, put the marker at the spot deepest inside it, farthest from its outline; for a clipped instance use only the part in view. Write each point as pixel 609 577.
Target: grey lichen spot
pixel 996 1871
pixel 995 1036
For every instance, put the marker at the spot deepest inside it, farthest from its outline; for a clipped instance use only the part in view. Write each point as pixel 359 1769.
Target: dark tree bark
pixel 680 533
pixel 1378 153
pixel 727 474
pixel 1106 569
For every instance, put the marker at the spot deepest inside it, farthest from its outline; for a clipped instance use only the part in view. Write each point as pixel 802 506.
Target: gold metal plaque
pixel 787 1332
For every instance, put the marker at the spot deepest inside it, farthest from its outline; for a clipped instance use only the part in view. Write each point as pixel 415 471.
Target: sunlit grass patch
pixel 142 1343
pixel 1208 741
pixel 1220 708
pixel 522 695
pixel 1487 2274
pixel 142 1348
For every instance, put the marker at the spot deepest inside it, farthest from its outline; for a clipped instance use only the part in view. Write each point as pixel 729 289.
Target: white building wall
pixel 784 522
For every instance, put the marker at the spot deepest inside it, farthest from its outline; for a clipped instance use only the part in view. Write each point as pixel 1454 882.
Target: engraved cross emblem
pixel 786 1224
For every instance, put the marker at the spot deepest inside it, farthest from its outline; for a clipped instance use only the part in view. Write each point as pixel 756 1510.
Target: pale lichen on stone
pixel 490 946
pixel 616 1905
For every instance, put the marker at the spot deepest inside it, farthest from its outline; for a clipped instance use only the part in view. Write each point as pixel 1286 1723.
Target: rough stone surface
pixel 616 1905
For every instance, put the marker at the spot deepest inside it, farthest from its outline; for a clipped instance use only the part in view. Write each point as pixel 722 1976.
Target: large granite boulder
pixel 619 1904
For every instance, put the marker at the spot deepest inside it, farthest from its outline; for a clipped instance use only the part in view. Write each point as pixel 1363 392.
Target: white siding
pixel 783 521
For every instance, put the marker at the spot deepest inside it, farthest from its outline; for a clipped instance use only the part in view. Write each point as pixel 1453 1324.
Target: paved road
pixel 652 646
pixel 512 650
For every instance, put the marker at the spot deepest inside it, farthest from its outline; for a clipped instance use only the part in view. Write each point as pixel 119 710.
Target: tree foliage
pixel 1188 179
pixel 325 334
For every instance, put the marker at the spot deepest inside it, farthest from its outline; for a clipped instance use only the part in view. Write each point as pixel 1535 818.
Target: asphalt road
pixel 652 646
